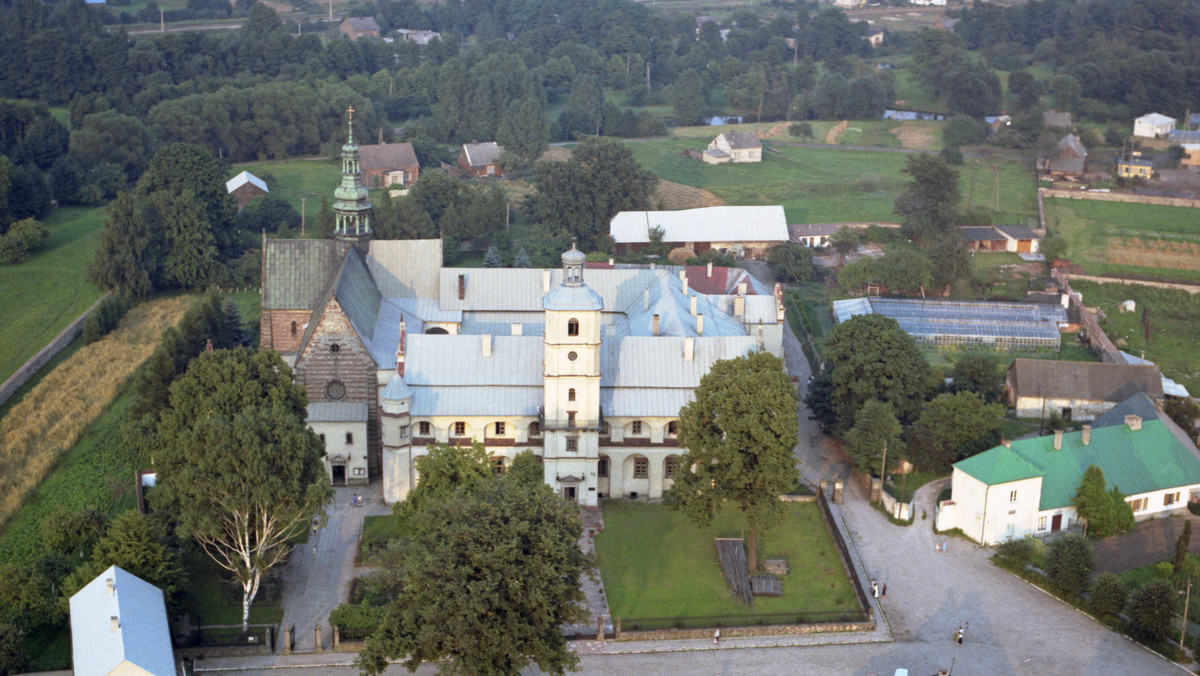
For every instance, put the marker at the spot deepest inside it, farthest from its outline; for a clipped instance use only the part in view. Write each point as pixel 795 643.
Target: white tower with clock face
pixel 570 416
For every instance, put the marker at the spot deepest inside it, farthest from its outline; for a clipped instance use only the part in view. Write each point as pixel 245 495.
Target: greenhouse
pixel 1009 326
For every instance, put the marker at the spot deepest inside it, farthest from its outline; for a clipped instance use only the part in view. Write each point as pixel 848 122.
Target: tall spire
pixel 352 210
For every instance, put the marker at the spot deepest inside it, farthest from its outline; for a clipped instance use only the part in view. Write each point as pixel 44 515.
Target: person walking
pixel 958 636
pixel 717 636
pixel 883 591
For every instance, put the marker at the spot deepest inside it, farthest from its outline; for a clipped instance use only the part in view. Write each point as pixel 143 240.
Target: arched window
pixel 571 394
pixel 573 327
pixel 293 328
pixel 673 427
pixel 670 466
pixel 641 468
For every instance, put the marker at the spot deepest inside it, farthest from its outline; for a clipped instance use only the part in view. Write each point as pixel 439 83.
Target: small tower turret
pixel 352 211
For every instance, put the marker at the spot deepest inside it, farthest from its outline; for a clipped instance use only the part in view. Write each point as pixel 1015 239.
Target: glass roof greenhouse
pixel 1013 326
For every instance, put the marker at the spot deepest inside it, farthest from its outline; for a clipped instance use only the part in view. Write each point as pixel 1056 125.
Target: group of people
pixel 877 589
pixel 940 546
pixel 960 632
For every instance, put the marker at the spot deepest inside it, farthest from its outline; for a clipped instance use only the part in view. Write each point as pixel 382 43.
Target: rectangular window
pixel 1012 496
pixel 671 466
pixel 349 437
pixel 1139 504
pixel 498 465
pixel 424 428
pixel 460 429
pixel 636 427
pixel 1170 499
pixel 499 429
pixel 1041 523
pixel 673 427
pixel 404 431
pixel 359 471
pixel 535 430
pixel 322 438
pixel 602 467
pixel 570 418
pixel 572 445
pixel 641 468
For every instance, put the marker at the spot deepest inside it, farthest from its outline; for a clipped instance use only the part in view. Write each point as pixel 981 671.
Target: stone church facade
pixel 587 366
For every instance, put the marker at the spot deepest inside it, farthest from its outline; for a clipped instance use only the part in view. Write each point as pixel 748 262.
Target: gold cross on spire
pixel 351 111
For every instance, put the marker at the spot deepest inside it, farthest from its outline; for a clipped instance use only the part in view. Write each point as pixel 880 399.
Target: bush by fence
pixel 356 622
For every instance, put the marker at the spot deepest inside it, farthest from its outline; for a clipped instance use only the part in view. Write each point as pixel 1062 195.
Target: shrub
pixel 1109 595
pixel 1069 564
pixel 1150 611
pixel 22 237
pixel 1015 553
pixel 105 318
pixel 356 622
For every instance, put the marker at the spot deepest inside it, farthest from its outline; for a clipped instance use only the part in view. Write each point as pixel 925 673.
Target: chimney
pixel 710 268
pixel 1087 435
pixel 683 281
pixel 1134 422
pixel 739 306
pixel 689 348
pixel 700 324
pixel 741 288
pixel 487 344
pixel 693 305
pixel 1065 300
pixel 645 300
pixel 110 586
pixel 1058 440
pixel 401 347
pixel 517 329
pixel 116 623
pixel 462 287
pixel 545 281
pixel 654 325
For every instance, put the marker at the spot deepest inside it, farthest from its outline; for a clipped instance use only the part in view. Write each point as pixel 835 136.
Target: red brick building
pixel 480 160
pixel 387 164
pixel 355 27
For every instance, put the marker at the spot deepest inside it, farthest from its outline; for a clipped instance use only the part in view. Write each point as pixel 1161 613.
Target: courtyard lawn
pixel 657 564
pixel 47 292
pixel 1120 238
pixel 828 185
pixel 1174 319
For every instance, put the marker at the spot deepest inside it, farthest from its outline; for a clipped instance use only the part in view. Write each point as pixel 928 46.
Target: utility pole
pixel 882 471
pixel 331 10
pixel 1188 597
pixel 162 24
pixel 302 214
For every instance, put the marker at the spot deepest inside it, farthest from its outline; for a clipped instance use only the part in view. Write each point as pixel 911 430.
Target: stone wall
pixel 758 630
pixel 30 368
pixel 1177 286
pixel 1119 197
pixel 275 329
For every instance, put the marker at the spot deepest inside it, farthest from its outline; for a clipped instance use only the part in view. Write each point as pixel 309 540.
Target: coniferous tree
pixel 128 257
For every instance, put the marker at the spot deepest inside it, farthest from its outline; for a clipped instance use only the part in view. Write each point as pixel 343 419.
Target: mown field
pixel 48 291
pixel 655 563
pixel 1119 238
pixel 1174 319
pixel 826 185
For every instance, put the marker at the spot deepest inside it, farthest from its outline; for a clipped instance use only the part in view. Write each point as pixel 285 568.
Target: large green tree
pixel 241 472
pixel 487 578
pixel 1104 512
pixel 876 431
pixel 873 358
pixel 181 167
pixel 978 372
pixel 139 545
pixel 952 426
pixel 929 205
pixel 129 256
pixel 523 130
pixel 739 432
pixel 585 192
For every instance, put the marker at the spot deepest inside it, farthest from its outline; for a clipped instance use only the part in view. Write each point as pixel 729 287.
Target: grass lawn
pixel 1120 238
pixel 1174 318
pixel 216 603
pixel 908 484
pixel 825 185
pixel 48 291
pixel 297 178
pixel 657 564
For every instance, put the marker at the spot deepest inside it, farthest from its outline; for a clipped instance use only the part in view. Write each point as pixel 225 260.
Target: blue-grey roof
pixel 1169 386
pixel 296 272
pixel 458 361
pixel 471 401
pixel 396 389
pixel 647 361
pixel 337 411
pixel 407 268
pixel 1139 405
pixel 648 402
pixel 142 638
pixel 568 298
pixel 925 318
pixel 357 294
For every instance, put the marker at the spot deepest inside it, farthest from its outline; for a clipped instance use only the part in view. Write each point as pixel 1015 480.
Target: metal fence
pixel 760 619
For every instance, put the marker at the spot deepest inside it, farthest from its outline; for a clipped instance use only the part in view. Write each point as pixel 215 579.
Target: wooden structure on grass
pixel 732 554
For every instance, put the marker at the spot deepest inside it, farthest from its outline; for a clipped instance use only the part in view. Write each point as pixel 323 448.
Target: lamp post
pixel 882 471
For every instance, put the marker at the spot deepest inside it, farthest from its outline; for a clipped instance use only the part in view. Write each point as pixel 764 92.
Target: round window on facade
pixel 335 348
pixel 335 390
pixel 571 356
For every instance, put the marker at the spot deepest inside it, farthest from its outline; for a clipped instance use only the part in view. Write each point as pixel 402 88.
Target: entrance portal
pixel 339 475
pixel 569 494
pixel 1056 523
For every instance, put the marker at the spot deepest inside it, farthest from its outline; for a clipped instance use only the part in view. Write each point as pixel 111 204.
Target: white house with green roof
pixel 1025 487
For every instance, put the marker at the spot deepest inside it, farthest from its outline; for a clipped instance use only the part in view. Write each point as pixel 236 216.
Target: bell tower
pixel 570 414
pixel 352 211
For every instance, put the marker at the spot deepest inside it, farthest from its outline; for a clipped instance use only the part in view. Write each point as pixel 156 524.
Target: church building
pixel 587 366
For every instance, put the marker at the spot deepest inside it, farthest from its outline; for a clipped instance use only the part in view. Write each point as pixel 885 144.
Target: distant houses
pixel 743 231
pixel 1011 238
pixel 480 160
pixel 355 27
pixel 1069 159
pixel 389 164
pixel 1153 125
pixel 733 147
pixel 1135 166
pixel 420 37
pixel 245 187
pixel 119 627
pixel 1077 390
pixel 815 235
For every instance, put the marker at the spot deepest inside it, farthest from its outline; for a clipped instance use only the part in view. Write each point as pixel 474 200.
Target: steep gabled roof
pixel 297 271
pixel 1091 381
pixel 387 156
pixel 244 178
pixel 482 154
pixel 141 640
pixel 1135 461
pixel 742 139
pixel 1155 119
pixel 363 23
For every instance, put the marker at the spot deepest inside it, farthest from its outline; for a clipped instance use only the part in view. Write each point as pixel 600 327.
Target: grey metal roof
pixel 482 154
pixel 363 23
pixel 1139 405
pixel 406 268
pixel 472 401
pixel 337 411
pixel 813 230
pixel 742 139
pixel 649 402
pixel 1170 387
pixel 645 361
pixel 244 178
pixel 396 389
pixel 1055 118
pixel 387 156
pixel 979 233
pixel 444 360
pixel 1093 381
pixel 932 319
pixel 567 298
pixel 704 224
pixel 142 638
pixel 297 272
pixel 500 323
pixel 357 294
pixel 1018 232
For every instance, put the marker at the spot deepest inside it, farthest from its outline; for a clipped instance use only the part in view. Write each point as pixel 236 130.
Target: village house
pixel 1191 156
pixel 1135 166
pixel 245 187
pixel 480 160
pixel 741 231
pixel 585 368
pixel 1153 125
pixel 815 235
pixel 119 627
pixel 1024 487
pixel 1068 161
pixel 420 37
pixel 1010 238
pixel 355 27
pixel 387 164
pixel 1077 390
pixel 733 147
